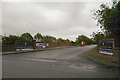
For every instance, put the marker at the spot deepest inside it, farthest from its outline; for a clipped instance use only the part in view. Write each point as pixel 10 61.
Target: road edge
pixel 43 49
pixel 89 57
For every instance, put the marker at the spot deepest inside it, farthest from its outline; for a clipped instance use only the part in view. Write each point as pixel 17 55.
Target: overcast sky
pixel 58 19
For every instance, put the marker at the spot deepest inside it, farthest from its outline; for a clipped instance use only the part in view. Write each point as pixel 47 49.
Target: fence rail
pixel 8 48
pixel 116 51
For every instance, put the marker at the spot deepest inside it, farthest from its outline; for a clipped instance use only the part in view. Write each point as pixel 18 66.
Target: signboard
pixel 106 46
pixel 24 45
pixel 40 45
pixel 47 44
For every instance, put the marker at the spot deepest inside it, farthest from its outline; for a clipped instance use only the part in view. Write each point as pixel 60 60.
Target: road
pixel 59 63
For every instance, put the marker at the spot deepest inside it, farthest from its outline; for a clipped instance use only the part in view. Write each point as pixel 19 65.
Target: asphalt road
pixel 59 63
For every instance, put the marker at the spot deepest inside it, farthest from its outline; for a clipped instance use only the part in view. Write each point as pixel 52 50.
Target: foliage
pixel 109 19
pixel 10 40
pixel 27 36
pixel 38 37
pixel 83 38
pixel 96 36
pixel 48 39
pixel 62 40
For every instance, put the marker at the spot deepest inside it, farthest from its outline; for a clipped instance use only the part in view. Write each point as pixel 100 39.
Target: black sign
pixel 24 45
pixel 106 46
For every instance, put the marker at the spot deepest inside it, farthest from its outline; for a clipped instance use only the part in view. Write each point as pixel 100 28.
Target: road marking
pixel 42 60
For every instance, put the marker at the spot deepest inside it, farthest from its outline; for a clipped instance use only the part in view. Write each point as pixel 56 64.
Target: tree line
pixel 10 40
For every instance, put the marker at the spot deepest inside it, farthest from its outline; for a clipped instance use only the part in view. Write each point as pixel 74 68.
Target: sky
pixel 64 20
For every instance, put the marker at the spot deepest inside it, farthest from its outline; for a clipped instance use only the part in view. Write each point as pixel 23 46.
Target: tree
pixel 67 40
pixel 83 38
pixel 109 19
pixel 48 39
pixel 60 40
pixel 97 36
pixel 38 37
pixel 10 40
pixel 26 36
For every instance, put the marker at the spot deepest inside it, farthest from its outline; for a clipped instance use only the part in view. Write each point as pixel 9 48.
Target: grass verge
pixel 94 55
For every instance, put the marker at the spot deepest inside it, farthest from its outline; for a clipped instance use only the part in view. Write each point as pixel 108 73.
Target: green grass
pixel 103 59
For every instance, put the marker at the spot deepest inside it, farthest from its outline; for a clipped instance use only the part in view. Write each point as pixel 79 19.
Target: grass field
pixel 104 59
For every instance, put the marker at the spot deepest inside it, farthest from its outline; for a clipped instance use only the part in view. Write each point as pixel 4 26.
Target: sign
pixel 24 45
pixel 40 45
pixel 106 46
pixel 47 44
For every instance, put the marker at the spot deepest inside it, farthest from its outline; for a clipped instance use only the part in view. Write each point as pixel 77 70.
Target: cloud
pixel 63 19
pixel 0 18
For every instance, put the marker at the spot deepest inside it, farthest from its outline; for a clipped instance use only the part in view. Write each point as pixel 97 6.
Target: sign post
pixel 106 46
pixel 24 45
